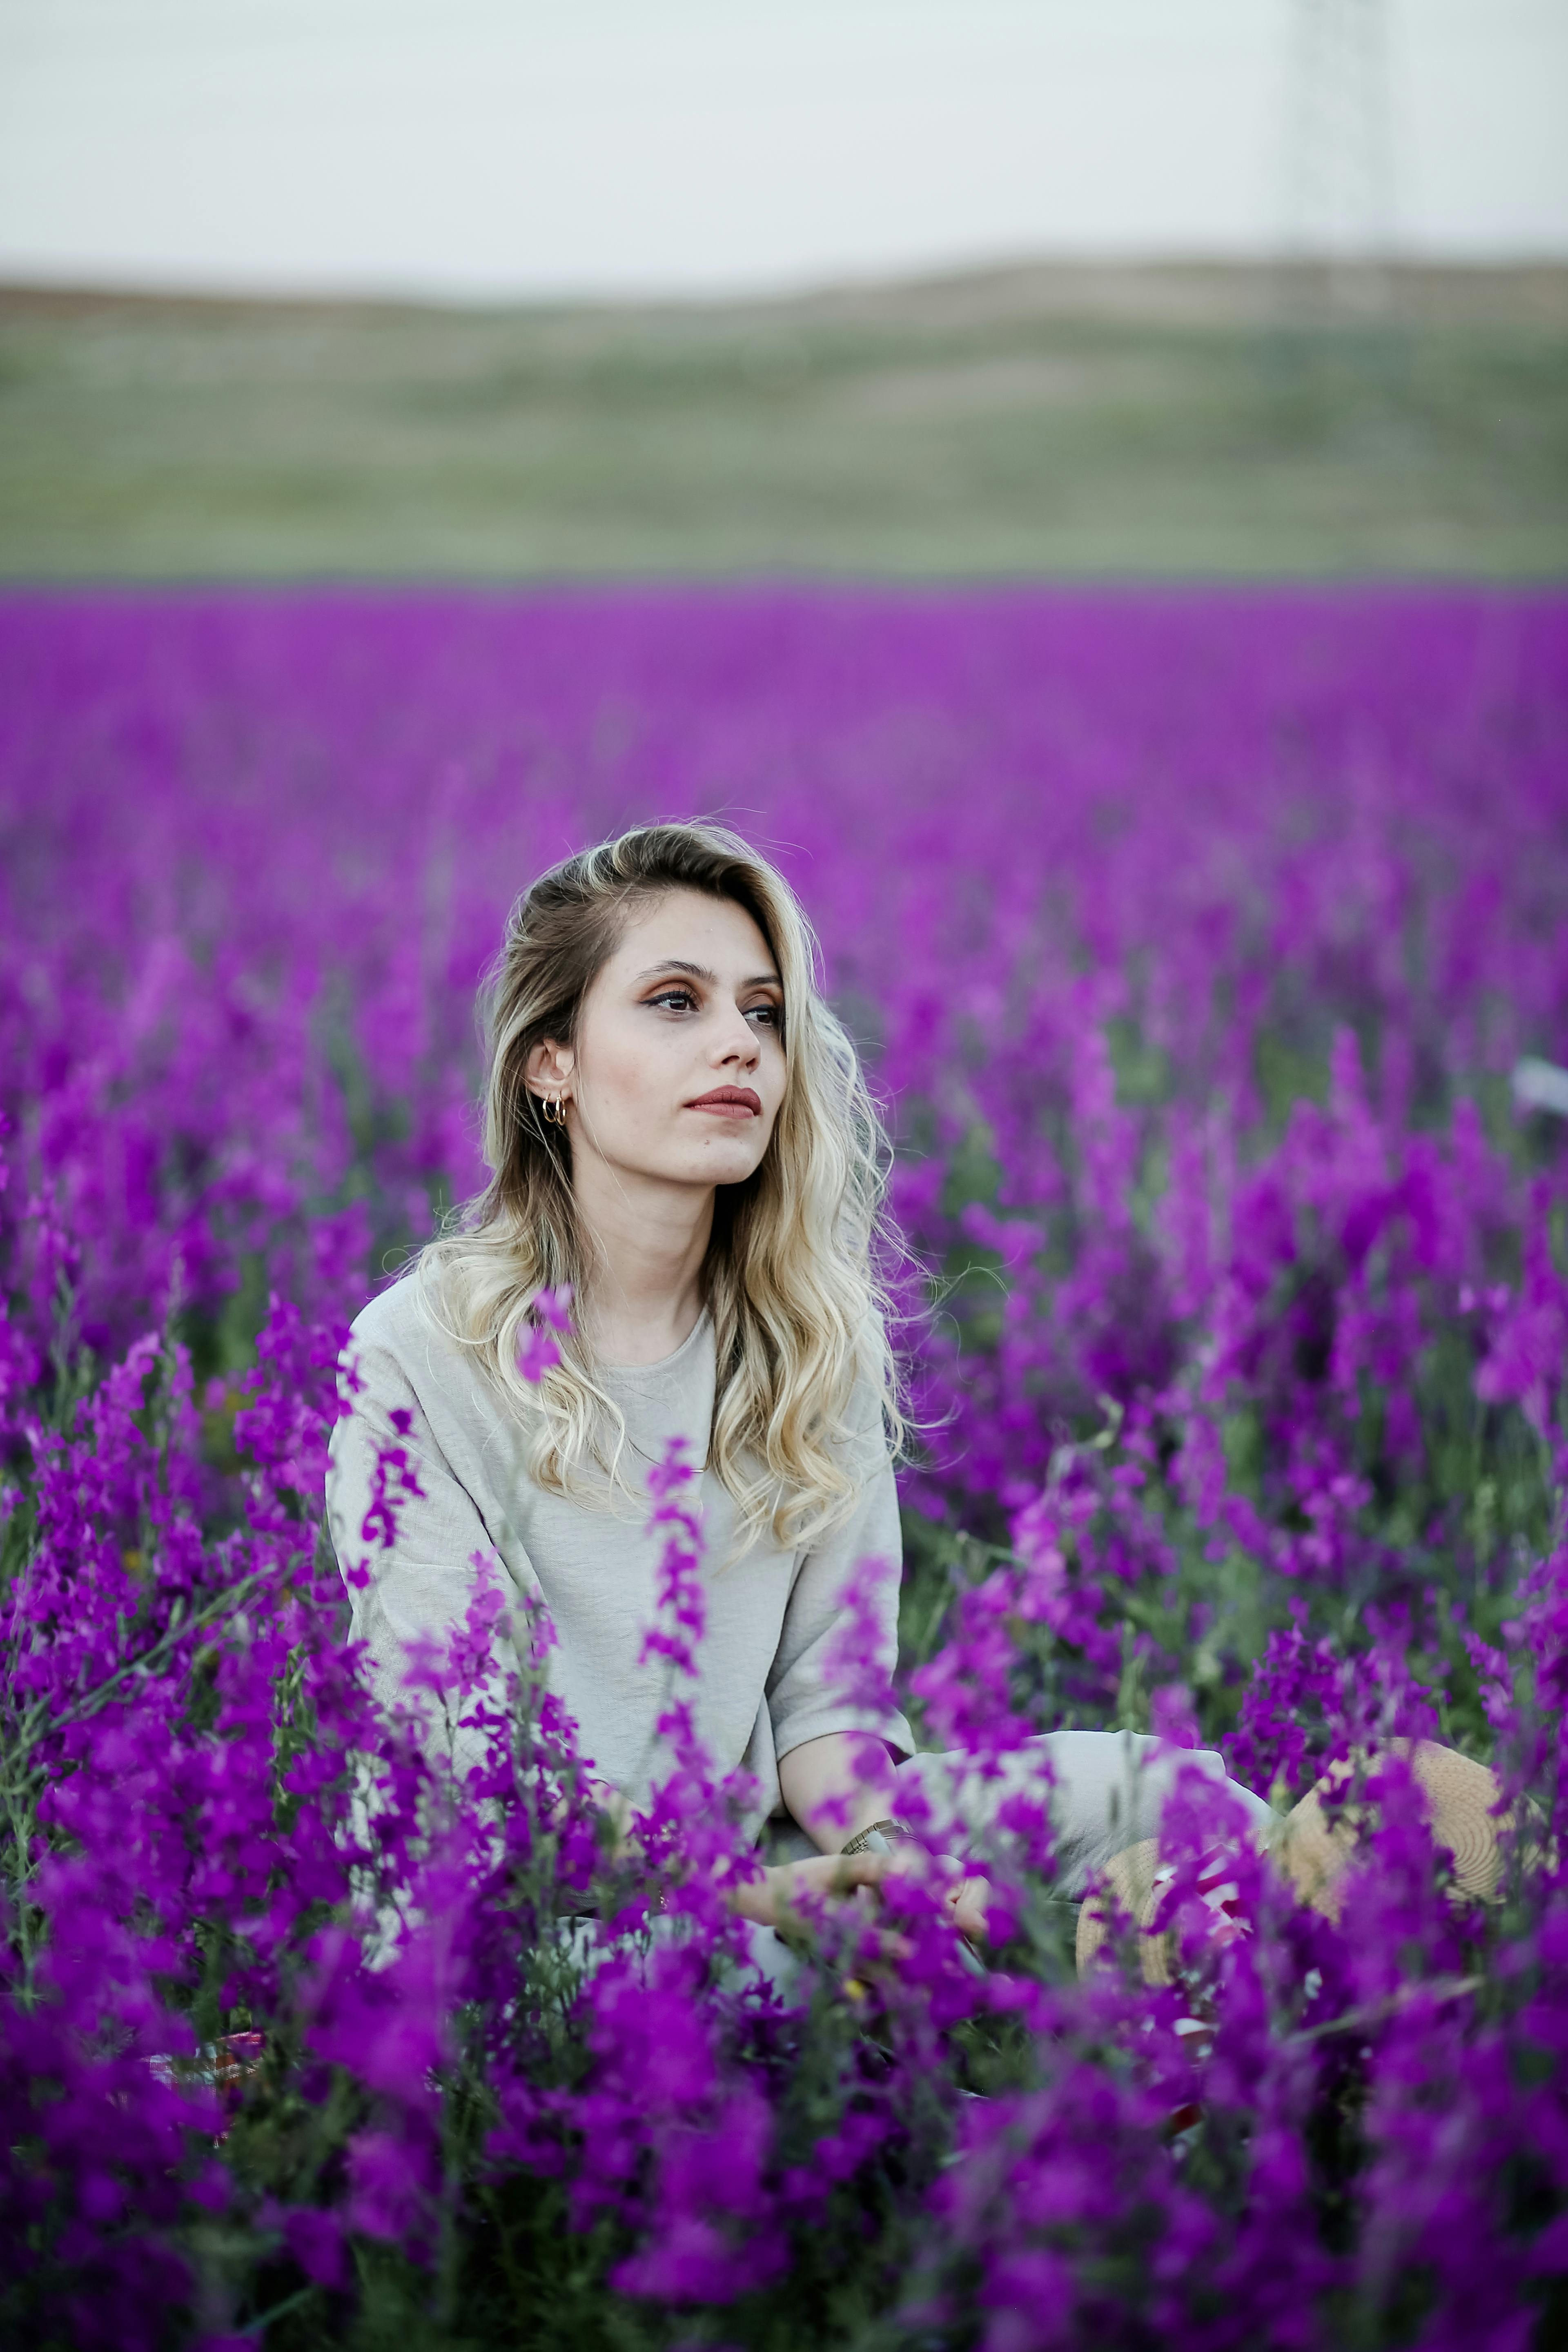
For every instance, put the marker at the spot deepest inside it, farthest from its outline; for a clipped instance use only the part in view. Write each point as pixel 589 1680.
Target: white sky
pixel 494 147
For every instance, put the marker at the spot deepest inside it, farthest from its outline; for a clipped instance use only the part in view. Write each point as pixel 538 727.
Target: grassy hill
pixel 1076 422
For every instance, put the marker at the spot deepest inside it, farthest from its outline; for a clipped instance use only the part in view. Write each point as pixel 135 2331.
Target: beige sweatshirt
pixel 764 1683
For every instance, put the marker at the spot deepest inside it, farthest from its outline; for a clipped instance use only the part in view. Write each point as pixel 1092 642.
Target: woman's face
pixel 678 1069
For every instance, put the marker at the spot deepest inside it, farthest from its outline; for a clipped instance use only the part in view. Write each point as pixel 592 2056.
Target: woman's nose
pixel 739 1043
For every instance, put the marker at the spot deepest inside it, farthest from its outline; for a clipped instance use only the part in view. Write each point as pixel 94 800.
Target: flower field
pixel 1192 943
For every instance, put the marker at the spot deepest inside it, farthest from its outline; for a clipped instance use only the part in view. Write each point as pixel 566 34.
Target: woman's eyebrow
pixel 700 972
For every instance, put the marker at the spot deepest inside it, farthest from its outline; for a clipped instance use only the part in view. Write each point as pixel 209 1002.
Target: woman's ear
pixel 549 1067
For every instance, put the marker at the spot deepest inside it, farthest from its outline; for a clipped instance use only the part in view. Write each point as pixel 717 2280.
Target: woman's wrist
pixel 880 1837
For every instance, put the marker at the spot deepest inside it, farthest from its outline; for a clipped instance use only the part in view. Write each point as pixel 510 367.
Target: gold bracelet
pixel 861 1841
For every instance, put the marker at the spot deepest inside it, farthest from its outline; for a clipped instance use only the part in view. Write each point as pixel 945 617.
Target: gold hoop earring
pixel 555 1109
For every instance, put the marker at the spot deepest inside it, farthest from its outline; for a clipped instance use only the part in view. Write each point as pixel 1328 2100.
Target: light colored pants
pixel 1107 1789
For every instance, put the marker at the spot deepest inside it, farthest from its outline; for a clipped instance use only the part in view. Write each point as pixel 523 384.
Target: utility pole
pixel 1338 154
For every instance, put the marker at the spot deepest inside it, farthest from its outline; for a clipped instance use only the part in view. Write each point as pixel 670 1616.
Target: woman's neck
pixel 646 1243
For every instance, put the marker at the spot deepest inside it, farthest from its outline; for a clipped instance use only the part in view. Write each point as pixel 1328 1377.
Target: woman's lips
pixel 730 1102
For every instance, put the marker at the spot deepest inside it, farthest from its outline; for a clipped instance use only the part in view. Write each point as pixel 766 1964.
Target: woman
pixel 676 1126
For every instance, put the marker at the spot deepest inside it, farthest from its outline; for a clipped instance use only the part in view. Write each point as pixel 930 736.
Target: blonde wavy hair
pixel 795 1275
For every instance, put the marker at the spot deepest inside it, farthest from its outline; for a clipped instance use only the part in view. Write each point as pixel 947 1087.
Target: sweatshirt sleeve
pixel 838 1645
pixel 410 1542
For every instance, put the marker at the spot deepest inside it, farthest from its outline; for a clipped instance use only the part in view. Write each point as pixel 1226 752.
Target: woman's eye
pixel 768 1013
pixel 678 997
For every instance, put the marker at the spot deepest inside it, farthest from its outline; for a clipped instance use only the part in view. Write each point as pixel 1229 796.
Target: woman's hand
pixel 966 1902
pixel 965 1896
pixel 771 1899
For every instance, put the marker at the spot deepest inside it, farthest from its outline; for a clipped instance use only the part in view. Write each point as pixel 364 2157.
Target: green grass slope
pixel 1072 422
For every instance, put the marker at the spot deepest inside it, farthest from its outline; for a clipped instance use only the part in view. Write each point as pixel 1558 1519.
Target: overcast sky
pixel 499 147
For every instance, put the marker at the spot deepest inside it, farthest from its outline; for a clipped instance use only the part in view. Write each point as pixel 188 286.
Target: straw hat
pixel 1129 1885
pixel 1461 1799
pixel 1314 1851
